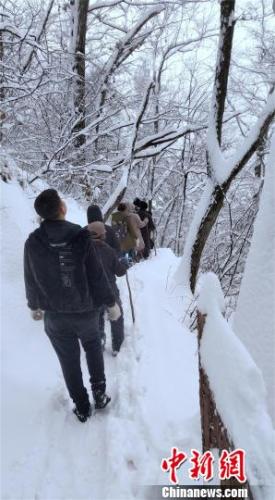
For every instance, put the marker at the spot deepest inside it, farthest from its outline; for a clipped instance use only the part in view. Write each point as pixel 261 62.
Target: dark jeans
pixel 64 332
pixel 117 328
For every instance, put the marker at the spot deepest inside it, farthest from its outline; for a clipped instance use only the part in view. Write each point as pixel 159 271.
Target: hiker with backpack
pixel 127 226
pixel 147 231
pixel 113 266
pixel 65 279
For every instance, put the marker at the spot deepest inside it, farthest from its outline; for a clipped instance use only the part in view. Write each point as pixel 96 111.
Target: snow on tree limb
pixel 104 5
pixel 117 195
pixel 253 139
pixel 38 36
pixel 140 115
pixel 225 169
pixel 126 46
pixel 13 30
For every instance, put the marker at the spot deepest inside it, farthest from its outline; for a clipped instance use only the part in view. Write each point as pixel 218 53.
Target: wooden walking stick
pixel 130 298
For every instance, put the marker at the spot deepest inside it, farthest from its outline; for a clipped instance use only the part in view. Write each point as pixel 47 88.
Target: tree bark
pixel 227 24
pixel 80 11
pixel 2 93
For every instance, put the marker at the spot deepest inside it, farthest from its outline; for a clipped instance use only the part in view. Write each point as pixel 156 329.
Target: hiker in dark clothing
pixel 94 214
pixel 114 266
pixel 142 211
pixel 65 278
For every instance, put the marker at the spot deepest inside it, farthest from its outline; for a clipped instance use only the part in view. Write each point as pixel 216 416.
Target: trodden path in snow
pixel 46 453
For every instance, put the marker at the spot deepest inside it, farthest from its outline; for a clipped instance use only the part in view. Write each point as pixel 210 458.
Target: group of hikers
pixel 70 279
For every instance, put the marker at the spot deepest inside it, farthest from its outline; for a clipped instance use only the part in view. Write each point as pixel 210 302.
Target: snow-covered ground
pixel 46 453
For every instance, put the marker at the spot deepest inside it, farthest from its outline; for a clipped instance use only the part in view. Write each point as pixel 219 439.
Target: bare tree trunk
pixel 227 25
pixel 2 93
pixel 80 11
pixel 182 209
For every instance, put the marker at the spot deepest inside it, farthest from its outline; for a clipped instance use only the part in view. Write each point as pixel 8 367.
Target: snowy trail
pixel 46 453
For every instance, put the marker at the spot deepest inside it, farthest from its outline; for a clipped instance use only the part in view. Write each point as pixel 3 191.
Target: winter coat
pixel 62 270
pixel 134 238
pixel 112 265
pixel 94 214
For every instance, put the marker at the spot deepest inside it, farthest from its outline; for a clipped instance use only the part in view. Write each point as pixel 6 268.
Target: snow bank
pixel 255 316
pixel 238 388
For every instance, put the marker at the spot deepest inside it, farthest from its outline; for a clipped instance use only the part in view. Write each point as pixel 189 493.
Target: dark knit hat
pixel 137 202
pixel 94 214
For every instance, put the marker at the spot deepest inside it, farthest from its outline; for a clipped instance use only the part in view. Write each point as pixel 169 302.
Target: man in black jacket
pixel 64 278
pixel 94 214
pixel 113 266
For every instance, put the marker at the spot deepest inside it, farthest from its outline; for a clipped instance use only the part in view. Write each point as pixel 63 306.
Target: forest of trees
pixel 172 101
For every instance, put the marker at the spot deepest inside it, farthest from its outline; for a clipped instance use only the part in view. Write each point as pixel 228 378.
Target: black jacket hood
pixel 56 231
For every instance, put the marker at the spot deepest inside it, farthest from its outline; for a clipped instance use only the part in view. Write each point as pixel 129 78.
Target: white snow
pixel 122 185
pixel 46 452
pixel 238 388
pixel 255 316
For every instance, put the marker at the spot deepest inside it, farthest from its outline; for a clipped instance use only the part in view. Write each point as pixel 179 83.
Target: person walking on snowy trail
pixel 113 266
pixel 94 214
pixel 127 225
pixel 147 231
pixel 65 278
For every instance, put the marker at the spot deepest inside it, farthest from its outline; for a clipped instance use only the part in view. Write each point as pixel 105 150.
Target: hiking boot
pixel 101 400
pixel 83 415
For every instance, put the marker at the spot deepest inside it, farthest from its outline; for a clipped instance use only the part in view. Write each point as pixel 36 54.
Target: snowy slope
pixel 255 315
pixel 46 453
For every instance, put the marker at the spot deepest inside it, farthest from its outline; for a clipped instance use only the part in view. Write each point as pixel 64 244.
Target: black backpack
pixel 66 262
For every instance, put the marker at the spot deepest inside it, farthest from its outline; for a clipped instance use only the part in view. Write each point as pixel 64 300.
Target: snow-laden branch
pixel 167 135
pixel 38 37
pixel 213 197
pixel 251 143
pixel 27 37
pixel 140 115
pixel 103 5
pixel 126 46
pixel 117 195
pixel 225 168
pixel 153 145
